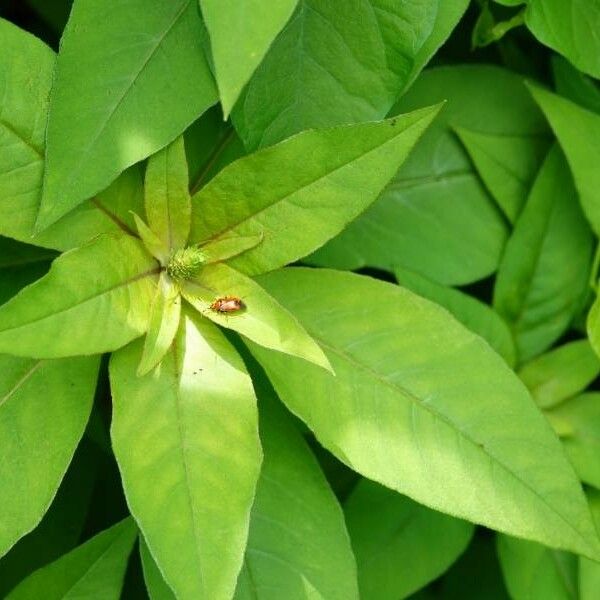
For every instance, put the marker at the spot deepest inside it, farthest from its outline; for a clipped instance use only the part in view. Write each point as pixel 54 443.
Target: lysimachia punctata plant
pixel 298 299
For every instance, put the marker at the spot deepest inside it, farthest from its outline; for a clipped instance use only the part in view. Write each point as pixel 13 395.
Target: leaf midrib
pixel 438 415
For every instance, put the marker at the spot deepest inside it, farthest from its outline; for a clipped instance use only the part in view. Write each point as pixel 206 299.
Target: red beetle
pixel 227 304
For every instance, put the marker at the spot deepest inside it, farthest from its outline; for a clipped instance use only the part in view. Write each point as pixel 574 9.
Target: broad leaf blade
pixel 190 473
pixel 155 584
pixel 577 422
pixel 121 118
pixel 561 373
pixel 253 25
pixel 337 62
pixel 399 545
pixel 507 164
pixel 163 324
pixel 533 571
pixel 472 313
pixel 545 268
pixel 94 299
pixel 298 546
pixel 168 203
pixel 578 131
pixel 476 447
pixel 302 192
pixel 93 570
pixel 44 408
pixel 436 217
pixel 569 27
pixel 574 85
pixel 262 319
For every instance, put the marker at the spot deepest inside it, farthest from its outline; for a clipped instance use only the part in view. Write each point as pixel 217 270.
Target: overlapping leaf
pixel 190 472
pixel 475 447
pixel 94 569
pixel 95 299
pixel 302 192
pixel 44 408
pixel 99 127
pixel 435 217
pixel 338 63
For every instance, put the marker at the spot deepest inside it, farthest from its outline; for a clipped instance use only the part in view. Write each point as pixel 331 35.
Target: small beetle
pixel 227 304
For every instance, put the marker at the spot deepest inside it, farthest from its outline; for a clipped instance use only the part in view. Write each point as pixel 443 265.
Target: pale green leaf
pixel 577 421
pixel 532 571
pixel 94 299
pixel 23 115
pixel 340 62
pixel 589 570
pixel 574 85
pixel 474 446
pixel 240 35
pixel 163 324
pixel 155 583
pixel 262 319
pixel 190 472
pixel 298 547
pixel 545 268
pixel 167 197
pixel 61 528
pixel 302 192
pixel 507 164
pixel 578 131
pixel 435 217
pixel 472 313
pixel 227 247
pixel 44 408
pixel 569 27
pixel 95 569
pixel 399 545
pixel 153 244
pixel 98 127
pixel 561 373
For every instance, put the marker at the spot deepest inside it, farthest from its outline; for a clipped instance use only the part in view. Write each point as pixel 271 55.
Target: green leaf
pixel 303 191
pixel 61 527
pixel 577 421
pixel 167 200
pixel 338 63
pixel 569 27
pixel 240 36
pixel 163 324
pixel 435 217
pixel 190 473
pixel 98 127
pixel 153 244
pixel 298 546
pixel 533 571
pixel 472 313
pixel 399 545
pixel 262 319
pixel 94 299
pixel 507 165
pixel 589 570
pixel 155 583
pixel 545 268
pixel 475 447
pixel 93 570
pixel 560 373
pixel 227 247
pixel 210 144
pixel 574 85
pixel 44 408
pixel 578 131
